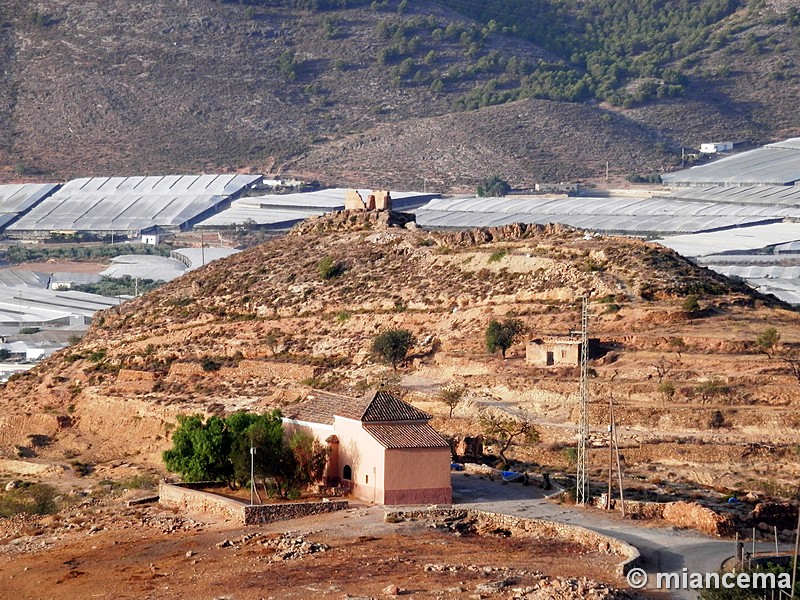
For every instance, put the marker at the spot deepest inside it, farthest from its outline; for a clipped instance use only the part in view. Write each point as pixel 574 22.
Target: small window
pixel 347 472
pixel 366 478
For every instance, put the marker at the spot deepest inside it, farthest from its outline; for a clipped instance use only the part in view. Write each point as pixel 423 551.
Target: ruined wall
pixel 534 528
pixel 264 369
pixel 269 513
pixel 354 201
pixel 246 369
pixel 129 380
pixel 16 429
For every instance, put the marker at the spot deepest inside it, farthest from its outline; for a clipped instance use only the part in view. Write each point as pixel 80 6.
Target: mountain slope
pixel 378 97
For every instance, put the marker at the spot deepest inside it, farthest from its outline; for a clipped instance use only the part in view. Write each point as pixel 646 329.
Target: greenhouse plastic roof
pixel 634 215
pixel 29 305
pixel 198 257
pixel 145 267
pixel 788 195
pixel 16 199
pixel 757 272
pixel 130 203
pixel 773 164
pixel 732 240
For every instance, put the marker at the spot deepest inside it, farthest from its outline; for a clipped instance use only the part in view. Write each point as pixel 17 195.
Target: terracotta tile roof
pixel 388 407
pixel 407 435
pixel 320 407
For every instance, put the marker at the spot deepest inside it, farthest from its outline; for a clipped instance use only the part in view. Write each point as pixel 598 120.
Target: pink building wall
pixel 385 476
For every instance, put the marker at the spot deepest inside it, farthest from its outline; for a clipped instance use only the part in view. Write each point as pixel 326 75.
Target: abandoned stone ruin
pixel 560 351
pixel 377 200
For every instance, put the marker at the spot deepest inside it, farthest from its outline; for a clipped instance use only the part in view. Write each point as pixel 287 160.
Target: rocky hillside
pixel 386 95
pixel 261 328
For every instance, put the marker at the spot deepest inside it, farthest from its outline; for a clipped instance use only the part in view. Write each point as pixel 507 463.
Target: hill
pixel 388 93
pixel 260 328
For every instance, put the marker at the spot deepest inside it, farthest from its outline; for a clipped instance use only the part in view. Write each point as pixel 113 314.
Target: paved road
pixel 663 549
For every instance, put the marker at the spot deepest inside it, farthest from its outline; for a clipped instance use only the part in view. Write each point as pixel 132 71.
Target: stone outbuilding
pixel 381 448
pixel 559 351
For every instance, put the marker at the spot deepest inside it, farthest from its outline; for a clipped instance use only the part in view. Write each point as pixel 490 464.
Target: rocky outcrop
pixel 512 231
pixel 354 220
pixel 778 514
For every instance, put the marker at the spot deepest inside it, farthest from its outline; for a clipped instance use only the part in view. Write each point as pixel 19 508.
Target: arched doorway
pixel 347 473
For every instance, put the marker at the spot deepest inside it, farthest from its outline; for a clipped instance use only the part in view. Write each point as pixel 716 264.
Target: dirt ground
pixel 111 551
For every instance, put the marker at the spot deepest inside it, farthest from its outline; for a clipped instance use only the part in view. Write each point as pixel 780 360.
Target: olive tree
pixel 392 345
pixel 501 336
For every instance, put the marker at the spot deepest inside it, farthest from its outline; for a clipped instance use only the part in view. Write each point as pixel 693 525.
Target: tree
pixel 262 432
pixel 200 450
pixel 663 368
pixel 219 450
pixel 501 336
pixel 493 187
pixel 712 388
pixel 690 305
pixel 717 420
pixel 505 431
pixel 451 395
pixel 392 345
pixel 767 340
pixel 678 345
pixel 667 391
pixel 310 457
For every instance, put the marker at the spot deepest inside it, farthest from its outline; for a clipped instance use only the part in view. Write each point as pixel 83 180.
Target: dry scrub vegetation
pixel 355 96
pixel 697 398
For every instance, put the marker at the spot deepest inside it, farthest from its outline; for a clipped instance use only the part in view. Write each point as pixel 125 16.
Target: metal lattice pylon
pixel 582 483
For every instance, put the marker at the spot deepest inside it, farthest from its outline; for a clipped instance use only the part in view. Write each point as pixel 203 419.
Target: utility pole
pixel 606 170
pixel 610 456
pixel 619 466
pixel 252 470
pixel 796 548
pixel 582 483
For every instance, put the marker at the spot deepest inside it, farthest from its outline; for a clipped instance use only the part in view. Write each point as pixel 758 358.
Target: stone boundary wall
pixel 246 369
pixel 262 514
pixel 536 528
pixel 185 498
pixel 188 499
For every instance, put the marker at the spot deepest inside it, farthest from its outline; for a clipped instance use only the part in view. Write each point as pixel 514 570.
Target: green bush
pixel 209 364
pixel 32 499
pixel 328 268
